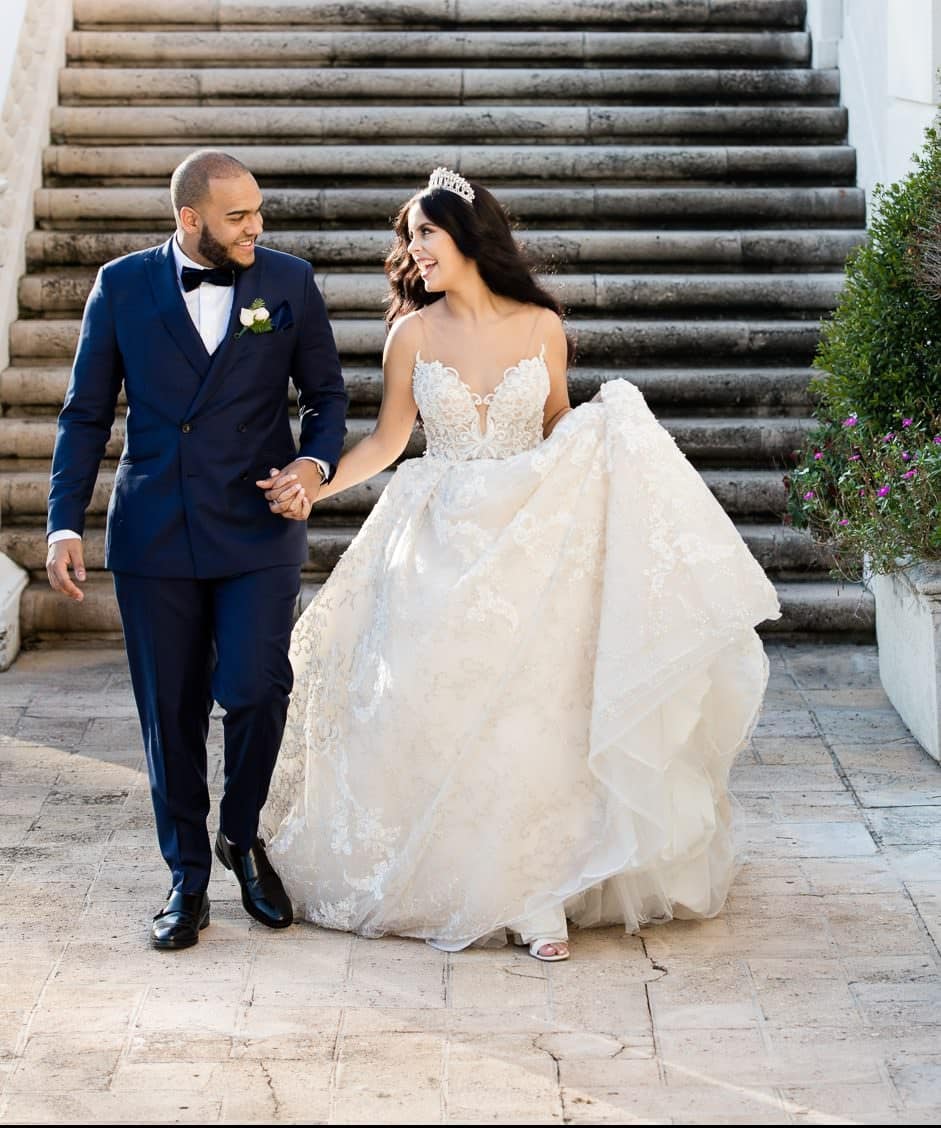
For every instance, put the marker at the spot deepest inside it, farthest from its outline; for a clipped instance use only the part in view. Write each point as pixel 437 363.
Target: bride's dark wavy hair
pixel 482 232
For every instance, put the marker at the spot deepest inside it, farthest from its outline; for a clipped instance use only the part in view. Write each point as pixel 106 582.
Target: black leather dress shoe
pixel 263 894
pixel 180 921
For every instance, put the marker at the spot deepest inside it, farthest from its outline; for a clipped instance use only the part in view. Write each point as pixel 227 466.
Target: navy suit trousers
pixel 190 642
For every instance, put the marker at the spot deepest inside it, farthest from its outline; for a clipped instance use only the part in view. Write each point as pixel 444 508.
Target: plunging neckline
pixel 476 399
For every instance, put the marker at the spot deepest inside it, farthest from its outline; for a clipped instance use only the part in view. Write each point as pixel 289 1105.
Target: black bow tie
pixel 218 276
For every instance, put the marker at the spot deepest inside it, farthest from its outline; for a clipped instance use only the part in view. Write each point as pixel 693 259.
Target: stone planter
pixel 908 629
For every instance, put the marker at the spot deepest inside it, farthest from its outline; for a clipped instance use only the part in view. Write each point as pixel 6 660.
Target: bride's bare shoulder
pixel 405 335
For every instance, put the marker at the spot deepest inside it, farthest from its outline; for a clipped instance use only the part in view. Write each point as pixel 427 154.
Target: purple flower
pixel 818 454
pixel 809 496
pixel 854 458
pixel 906 457
pixel 862 493
pixel 889 437
pixel 850 421
pixel 844 521
pixel 909 473
pixel 883 491
pixel 937 439
pixel 907 422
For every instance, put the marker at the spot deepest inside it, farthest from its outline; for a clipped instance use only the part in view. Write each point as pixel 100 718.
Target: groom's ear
pixel 188 219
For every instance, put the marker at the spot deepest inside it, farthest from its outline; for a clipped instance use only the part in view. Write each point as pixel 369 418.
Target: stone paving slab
pixel 814 998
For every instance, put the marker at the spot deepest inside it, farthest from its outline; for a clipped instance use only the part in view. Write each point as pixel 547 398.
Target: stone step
pixel 760 390
pixel 560 164
pixel 445 13
pixel 105 208
pixel 65 291
pixel 705 440
pixel 777 548
pixel 602 342
pixel 816 608
pixel 746 248
pixel 744 493
pixel 228 85
pixel 431 47
pixel 218 125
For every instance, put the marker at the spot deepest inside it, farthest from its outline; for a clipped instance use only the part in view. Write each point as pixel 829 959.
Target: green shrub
pixel 868 480
pixel 880 352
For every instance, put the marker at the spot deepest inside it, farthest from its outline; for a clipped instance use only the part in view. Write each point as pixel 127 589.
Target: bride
pixel 519 694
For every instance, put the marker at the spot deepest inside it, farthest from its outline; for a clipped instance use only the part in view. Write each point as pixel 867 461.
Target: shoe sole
pixel 246 902
pixel 177 945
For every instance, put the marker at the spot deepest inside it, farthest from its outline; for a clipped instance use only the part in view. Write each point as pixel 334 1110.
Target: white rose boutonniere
pixel 256 318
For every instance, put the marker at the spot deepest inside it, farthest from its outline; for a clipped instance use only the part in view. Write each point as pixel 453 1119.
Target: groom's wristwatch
pixel 321 467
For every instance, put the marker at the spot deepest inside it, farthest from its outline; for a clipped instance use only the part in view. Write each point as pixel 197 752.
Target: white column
pixel 913 59
pixel 889 53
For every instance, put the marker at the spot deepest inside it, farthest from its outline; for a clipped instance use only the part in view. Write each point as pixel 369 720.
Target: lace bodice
pixel 449 410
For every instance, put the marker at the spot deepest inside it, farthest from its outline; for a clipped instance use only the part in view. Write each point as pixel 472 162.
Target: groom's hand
pixel 65 554
pixel 291 492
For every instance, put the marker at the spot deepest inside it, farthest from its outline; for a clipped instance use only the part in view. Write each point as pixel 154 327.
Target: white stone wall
pixel 32 51
pixel 889 54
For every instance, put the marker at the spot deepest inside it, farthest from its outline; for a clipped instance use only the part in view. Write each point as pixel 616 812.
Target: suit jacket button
pixel 186 428
pixel 242 427
pixel 244 477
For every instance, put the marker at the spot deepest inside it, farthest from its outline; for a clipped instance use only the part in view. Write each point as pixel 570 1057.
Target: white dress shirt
pixel 210 307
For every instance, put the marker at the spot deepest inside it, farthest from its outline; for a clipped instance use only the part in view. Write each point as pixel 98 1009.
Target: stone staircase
pixel 676 164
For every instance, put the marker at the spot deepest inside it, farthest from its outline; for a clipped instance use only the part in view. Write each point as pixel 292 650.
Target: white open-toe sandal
pixel 541 942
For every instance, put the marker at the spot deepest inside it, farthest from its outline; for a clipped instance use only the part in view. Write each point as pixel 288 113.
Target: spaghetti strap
pixel 532 334
pixel 424 336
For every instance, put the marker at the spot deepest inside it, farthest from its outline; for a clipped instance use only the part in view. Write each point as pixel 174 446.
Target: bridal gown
pixel 525 682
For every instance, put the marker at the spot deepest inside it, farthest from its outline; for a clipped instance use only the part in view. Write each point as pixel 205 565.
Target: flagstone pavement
pixel 814 998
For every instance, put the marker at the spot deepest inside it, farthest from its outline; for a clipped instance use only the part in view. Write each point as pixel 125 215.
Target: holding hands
pixel 291 492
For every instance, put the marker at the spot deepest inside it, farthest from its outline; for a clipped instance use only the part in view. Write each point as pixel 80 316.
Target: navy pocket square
pixel 282 318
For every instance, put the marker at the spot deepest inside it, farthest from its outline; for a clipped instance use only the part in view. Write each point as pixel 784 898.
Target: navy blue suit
pixel 206 576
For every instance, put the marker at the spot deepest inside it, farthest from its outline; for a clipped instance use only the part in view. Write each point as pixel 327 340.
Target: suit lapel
pixel 248 286
pixel 173 311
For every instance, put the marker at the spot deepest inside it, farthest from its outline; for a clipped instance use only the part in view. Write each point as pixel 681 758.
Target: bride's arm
pixel 396 419
pixel 557 402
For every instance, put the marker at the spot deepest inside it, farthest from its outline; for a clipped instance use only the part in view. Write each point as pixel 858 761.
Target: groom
pixel 204 332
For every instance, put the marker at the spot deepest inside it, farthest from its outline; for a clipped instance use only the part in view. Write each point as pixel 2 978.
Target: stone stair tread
pixel 45 386
pixel 636 341
pixel 219 13
pixel 142 85
pixel 776 546
pixel 107 207
pixel 747 492
pixel 823 607
pixel 751 248
pixel 493 163
pixel 701 438
pixel 429 46
pixel 599 340
pixel 67 288
pixel 217 124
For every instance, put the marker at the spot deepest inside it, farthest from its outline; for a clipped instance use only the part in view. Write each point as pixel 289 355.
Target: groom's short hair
pixel 189 184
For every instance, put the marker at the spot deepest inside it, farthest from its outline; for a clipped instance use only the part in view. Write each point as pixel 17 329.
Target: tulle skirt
pixel 521 689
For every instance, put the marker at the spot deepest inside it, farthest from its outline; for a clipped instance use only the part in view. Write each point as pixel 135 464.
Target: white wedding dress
pixel 525 682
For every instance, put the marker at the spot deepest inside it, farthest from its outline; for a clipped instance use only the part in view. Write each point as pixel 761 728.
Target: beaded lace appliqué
pixel 449 409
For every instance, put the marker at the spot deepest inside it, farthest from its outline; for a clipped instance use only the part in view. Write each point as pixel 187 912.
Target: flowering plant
pixel 862 490
pixel 256 318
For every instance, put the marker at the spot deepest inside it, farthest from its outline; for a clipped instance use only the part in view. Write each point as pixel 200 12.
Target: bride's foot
pixel 549 951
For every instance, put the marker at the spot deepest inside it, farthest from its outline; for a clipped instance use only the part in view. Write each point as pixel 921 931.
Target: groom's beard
pixel 215 252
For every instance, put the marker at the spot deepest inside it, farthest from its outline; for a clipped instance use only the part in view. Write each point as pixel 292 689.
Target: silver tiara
pixel 451 182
